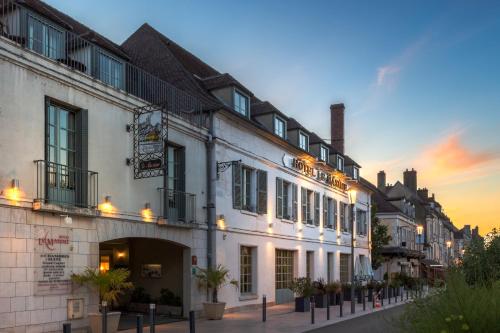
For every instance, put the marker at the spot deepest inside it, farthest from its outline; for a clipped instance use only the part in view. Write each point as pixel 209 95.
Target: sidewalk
pixel 280 319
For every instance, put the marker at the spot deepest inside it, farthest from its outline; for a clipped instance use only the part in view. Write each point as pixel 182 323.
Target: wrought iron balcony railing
pixel 66 186
pixel 178 206
pixel 36 33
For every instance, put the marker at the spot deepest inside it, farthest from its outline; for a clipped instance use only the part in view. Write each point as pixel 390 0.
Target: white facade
pixel 236 140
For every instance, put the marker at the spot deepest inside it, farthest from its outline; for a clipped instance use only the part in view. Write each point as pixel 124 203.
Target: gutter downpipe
pixel 211 179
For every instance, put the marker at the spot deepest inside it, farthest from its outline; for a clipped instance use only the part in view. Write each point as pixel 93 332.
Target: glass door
pixel 284 274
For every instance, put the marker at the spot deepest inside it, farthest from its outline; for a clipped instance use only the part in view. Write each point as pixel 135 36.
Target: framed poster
pixel 152 271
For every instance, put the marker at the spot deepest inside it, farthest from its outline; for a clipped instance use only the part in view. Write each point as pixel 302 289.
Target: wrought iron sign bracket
pixel 223 166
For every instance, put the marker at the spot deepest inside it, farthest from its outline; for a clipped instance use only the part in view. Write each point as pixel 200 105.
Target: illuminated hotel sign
pixel 319 175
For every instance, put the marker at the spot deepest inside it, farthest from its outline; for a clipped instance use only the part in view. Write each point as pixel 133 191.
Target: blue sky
pixel 420 79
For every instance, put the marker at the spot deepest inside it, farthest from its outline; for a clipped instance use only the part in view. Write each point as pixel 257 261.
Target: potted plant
pixel 371 285
pixel 213 279
pixel 303 289
pixel 333 289
pixel 110 285
pixel 320 298
pixel 346 289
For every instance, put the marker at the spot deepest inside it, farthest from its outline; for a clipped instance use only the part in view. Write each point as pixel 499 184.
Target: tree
pixel 481 260
pixel 380 238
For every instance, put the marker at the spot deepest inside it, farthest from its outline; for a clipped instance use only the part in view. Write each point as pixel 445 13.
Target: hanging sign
pixel 150 134
pixel 325 177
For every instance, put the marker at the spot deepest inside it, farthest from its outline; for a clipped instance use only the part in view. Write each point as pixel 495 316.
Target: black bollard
pixel 328 306
pixel 67 328
pixel 395 295
pixel 192 328
pixel 374 294
pixel 139 321
pixel 406 294
pixel 264 308
pixel 390 294
pixel 341 305
pixel 401 291
pixel 312 309
pixel 104 317
pixel 152 319
pixel 383 296
pixel 364 299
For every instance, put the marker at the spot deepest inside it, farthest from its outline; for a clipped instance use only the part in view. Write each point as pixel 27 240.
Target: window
pixel 344 267
pixel 329 212
pixel 303 141
pixel 286 200
pixel 310 264
pixel 340 163
pixel 279 127
pixel 345 213
pixel 241 103
pixel 247 269
pixel 355 173
pixel 323 156
pixel 249 189
pixel 284 269
pixel 361 223
pixel 310 213
pixel 110 70
pixel 176 209
pixel 329 268
pixel 45 39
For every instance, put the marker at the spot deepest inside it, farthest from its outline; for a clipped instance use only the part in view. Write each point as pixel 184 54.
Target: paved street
pixel 382 321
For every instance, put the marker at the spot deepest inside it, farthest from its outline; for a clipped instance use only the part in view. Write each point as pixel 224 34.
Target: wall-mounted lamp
pixel 106 206
pixel 448 244
pixel 420 229
pixel 120 254
pixel 221 221
pixel 352 196
pixel 147 213
pixel 13 193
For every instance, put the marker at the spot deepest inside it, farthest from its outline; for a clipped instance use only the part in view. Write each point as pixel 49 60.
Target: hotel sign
pixel 325 177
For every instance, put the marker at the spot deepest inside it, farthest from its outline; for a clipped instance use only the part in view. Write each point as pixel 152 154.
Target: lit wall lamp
pixel 448 244
pixel 221 221
pixel 106 206
pixel 147 213
pixel 13 193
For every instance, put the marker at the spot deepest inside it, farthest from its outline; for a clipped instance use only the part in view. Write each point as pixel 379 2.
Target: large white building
pixel 246 186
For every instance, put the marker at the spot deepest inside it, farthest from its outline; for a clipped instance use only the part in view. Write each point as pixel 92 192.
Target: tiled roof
pixel 74 26
pixel 260 108
pixel 222 81
pixel 380 199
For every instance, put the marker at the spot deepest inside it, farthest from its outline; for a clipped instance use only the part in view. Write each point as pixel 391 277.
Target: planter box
pixel 334 299
pixel 95 321
pixel 347 294
pixel 320 300
pixel 169 310
pixel 214 311
pixel 359 296
pixel 302 304
pixel 370 295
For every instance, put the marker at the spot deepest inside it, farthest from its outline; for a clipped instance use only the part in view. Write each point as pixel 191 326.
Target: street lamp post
pixel 448 246
pixel 420 229
pixel 352 201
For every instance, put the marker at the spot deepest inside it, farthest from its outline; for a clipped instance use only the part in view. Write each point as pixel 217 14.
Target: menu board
pixel 53 260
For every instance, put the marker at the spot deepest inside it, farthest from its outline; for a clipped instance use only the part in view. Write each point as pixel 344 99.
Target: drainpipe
pixel 211 179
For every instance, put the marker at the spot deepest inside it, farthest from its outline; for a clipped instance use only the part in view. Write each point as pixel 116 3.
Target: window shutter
pixel 316 208
pixel 261 192
pixel 237 186
pixel 279 198
pixel 325 211
pixel 81 146
pixel 295 195
pixel 334 204
pixel 303 203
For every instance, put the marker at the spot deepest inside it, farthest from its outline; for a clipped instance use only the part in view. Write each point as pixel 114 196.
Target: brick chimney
pixel 410 179
pixel 423 193
pixel 337 126
pixel 381 181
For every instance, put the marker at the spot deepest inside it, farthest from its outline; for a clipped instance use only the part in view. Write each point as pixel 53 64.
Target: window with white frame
pixel 345 213
pixel 279 127
pixel 247 270
pixel 355 172
pixel 310 265
pixel 323 154
pixel 286 200
pixel 310 206
pixel 340 163
pixel 361 222
pixel 110 70
pixel 249 189
pixel 329 270
pixel 345 267
pixel 329 212
pixel 45 39
pixel 241 103
pixel 303 141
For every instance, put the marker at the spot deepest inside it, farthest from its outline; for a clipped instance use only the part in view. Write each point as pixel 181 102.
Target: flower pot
pixel 214 311
pixel 95 321
pixel 347 294
pixel 359 295
pixel 370 294
pixel 302 304
pixel 320 300
pixel 333 298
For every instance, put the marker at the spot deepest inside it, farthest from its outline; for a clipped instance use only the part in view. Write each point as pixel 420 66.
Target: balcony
pixel 63 188
pixel 35 32
pixel 178 207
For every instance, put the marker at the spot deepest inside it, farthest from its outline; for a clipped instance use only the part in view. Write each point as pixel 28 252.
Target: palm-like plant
pixel 110 284
pixel 213 279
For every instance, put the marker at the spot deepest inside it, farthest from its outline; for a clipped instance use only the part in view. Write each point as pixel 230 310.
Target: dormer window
pixel 355 173
pixel 323 154
pixel 303 141
pixel 241 104
pixel 279 127
pixel 340 163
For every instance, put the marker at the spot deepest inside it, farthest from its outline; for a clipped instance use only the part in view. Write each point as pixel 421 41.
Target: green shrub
pixel 139 295
pixel 169 298
pixel 302 287
pixel 456 308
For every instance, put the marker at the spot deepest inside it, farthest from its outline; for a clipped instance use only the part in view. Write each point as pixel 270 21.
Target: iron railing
pixel 179 206
pixel 66 186
pixel 36 33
